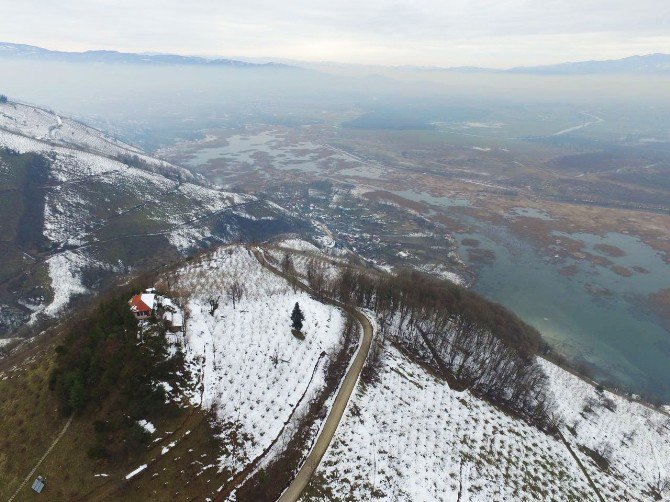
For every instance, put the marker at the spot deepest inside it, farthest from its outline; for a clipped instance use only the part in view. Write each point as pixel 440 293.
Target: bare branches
pixel 316 277
pixel 235 290
pixel 288 269
pixel 481 347
pixel 213 304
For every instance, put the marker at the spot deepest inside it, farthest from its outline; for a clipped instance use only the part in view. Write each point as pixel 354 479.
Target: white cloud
pixel 491 32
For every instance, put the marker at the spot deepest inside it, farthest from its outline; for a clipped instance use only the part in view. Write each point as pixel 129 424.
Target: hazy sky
pixel 495 33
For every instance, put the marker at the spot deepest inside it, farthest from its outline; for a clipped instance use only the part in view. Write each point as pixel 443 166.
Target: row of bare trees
pixel 478 345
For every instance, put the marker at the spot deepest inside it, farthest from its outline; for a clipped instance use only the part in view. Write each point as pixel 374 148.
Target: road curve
pixel 302 479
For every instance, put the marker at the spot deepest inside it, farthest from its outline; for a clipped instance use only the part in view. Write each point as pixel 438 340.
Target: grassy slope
pixel 21 207
pixel 29 422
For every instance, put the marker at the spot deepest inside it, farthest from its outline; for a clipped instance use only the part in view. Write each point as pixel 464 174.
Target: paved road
pixel 300 482
pixel 302 479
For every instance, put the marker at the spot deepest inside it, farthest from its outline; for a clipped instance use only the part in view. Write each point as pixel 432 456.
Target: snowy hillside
pixel 46 126
pixel 101 212
pixel 248 366
pixel 409 437
pixel 634 438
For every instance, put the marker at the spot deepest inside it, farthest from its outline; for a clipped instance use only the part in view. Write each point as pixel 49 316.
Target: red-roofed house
pixel 142 305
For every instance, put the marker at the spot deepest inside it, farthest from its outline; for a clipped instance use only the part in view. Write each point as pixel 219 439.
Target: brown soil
pixel 472 243
pixel 611 251
pixel 570 270
pixel 622 271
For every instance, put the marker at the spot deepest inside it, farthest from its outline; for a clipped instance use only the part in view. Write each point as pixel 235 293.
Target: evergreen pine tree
pixel 297 317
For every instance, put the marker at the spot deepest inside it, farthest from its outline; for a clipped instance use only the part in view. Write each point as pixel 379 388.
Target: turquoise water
pixel 530 212
pixel 440 201
pixel 593 314
pixel 614 332
pixel 238 149
pixel 271 149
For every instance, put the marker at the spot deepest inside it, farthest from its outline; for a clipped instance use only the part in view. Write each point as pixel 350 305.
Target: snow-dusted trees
pixel 287 266
pixel 213 304
pixel 475 344
pixel 661 485
pixel 3 98
pixel 288 269
pixel 316 277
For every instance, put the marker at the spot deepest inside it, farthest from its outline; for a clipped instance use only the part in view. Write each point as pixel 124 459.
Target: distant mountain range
pixel 644 65
pixel 22 51
pixel 647 64
pixel 650 63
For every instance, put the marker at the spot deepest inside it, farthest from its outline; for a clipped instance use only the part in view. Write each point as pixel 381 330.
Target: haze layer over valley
pixel 546 193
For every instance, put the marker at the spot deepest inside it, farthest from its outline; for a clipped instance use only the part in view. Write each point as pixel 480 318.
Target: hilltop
pixel 250 397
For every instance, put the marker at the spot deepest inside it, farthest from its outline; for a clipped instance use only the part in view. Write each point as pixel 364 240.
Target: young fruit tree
pixel 297 317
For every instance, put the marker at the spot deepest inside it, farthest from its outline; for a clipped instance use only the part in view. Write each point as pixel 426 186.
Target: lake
pixel 593 313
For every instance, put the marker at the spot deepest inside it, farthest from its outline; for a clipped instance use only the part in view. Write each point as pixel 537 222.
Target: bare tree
pixel 235 290
pixel 213 304
pixel 316 277
pixel 661 485
pixel 288 269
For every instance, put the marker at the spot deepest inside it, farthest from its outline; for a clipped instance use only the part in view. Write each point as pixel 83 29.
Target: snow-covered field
pixel 329 265
pixel 47 126
pixel 298 245
pixel 6 341
pixel 409 437
pixel 636 438
pixel 246 363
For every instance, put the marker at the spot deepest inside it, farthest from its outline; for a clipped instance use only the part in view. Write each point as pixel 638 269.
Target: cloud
pixel 430 32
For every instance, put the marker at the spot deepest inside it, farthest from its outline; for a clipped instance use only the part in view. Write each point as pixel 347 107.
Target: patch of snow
pixel 147 426
pixel 136 471
pixel 298 245
pixel 167 448
pixel 187 238
pixel 6 341
pixel 65 275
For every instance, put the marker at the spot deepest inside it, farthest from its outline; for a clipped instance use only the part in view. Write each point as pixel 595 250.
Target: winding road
pixel 304 475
